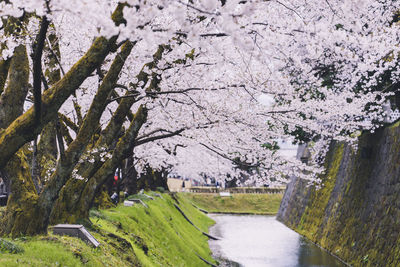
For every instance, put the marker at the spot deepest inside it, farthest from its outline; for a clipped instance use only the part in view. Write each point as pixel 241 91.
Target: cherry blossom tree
pixel 175 86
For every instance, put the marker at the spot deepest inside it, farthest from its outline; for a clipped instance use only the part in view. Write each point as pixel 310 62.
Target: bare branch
pixel 158 137
pixel 228 158
pixel 291 9
pixel 198 9
pixel 55 56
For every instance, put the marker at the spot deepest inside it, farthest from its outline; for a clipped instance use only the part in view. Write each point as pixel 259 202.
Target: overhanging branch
pixel 158 137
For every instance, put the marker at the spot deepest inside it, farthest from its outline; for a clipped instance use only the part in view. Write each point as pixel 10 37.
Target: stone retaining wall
pixel 356 214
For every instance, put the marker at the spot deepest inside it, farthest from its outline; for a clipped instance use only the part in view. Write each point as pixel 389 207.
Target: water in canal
pixel 254 240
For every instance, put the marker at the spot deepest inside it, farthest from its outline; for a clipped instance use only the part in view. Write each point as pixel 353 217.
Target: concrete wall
pixel 175 185
pixel 356 215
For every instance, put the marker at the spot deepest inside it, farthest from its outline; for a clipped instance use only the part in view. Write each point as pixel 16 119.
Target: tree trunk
pixel 66 164
pixel 124 148
pixel 152 179
pixel 23 129
pixel 23 193
pixel 105 143
pixel 130 179
pixel 47 148
pixel 26 210
pixel 13 98
pixel 23 197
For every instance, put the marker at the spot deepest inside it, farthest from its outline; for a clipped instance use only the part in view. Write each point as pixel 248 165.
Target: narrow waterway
pixel 254 240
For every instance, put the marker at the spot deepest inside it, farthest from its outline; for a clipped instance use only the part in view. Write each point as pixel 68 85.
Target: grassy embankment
pixel 266 204
pixel 129 236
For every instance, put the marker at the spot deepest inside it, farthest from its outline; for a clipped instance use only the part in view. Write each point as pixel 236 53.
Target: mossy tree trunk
pixel 28 212
pixel 72 192
pixel 13 98
pixel 23 195
pixel 24 129
pixel 46 156
pixel 67 162
pixel 123 150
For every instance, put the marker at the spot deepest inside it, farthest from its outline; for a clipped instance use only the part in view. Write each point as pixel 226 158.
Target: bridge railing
pixel 235 190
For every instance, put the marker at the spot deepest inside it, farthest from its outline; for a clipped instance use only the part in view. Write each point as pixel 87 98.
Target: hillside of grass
pixel 130 236
pixel 267 204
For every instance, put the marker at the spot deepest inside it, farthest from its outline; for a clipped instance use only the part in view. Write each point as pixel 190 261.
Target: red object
pixel 116 178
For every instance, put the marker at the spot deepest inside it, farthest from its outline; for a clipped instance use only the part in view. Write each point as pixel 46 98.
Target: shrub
pixel 160 189
pixel 7 246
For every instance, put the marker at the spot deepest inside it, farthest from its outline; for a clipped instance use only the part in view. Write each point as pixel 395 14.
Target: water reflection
pixel 253 241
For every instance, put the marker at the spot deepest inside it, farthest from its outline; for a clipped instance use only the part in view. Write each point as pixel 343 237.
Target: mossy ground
pixel 267 204
pixel 129 236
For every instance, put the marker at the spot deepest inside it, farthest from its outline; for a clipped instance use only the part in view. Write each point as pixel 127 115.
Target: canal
pixel 254 240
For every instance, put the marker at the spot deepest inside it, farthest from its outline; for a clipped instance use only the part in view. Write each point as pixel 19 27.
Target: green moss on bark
pixel 123 150
pixel 23 129
pixel 13 98
pixel 23 198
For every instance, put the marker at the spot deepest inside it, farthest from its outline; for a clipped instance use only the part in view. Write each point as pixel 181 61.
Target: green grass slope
pixel 130 236
pixel 267 204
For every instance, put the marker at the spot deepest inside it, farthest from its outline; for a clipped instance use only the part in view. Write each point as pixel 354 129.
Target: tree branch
pixel 277 112
pixel 158 137
pixel 228 158
pixel 37 68
pixel 68 122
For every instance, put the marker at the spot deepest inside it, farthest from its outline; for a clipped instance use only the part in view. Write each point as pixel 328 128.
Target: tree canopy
pixel 175 86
